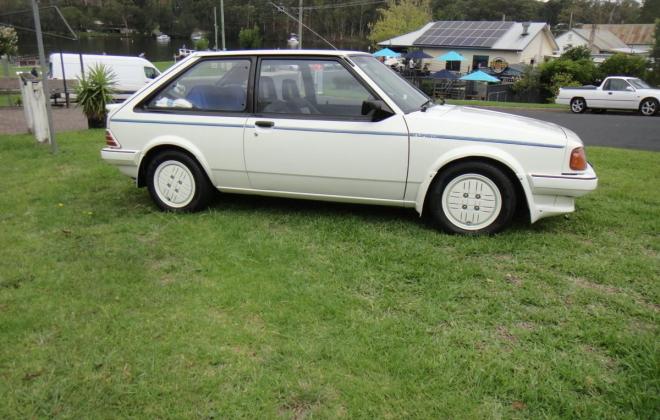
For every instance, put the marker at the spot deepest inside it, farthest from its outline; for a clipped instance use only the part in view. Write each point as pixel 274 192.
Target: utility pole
pixel 300 18
pixel 44 75
pixel 215 27
pixel 222 23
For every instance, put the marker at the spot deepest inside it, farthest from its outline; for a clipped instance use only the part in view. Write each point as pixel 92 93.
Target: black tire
pixel 649 107
pixel 190 189
pixel 578 105
pixel 456 213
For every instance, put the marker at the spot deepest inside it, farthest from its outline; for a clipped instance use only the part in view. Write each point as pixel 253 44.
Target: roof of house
pixel 630 33
pixel 494 35
pixel 604 40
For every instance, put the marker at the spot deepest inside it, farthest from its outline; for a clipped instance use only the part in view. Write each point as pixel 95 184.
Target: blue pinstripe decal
pixel 373 133
pixel 177 123
pixel 483 140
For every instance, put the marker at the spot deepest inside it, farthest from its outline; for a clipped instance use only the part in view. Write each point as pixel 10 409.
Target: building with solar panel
pixel 483 44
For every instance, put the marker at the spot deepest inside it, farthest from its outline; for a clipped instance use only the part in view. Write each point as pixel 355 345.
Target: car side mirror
pixel 377 109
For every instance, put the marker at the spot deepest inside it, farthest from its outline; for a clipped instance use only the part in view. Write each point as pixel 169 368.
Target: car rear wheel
pixel 648 107
pixel 472 198
pixel 578 105
pixel 177 183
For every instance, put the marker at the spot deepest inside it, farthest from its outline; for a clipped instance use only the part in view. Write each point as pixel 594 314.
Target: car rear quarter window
pixel 210 85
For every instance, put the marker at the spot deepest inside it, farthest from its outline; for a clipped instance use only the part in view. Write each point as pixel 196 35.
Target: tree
pixel 399 18
pixel 653 75
pixel 8 41
pixel 581 52
pixel 624 64
pixel 249 39
pixel 650 12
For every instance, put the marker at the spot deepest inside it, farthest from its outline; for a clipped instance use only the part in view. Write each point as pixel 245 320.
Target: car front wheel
pixel 648 107
pixel 177 183
pixel 473 198
pixel 578 105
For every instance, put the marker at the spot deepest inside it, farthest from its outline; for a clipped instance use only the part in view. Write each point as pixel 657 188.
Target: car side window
pixel 616 84
pixel 210 85
pixel 309 87
pixel 150 72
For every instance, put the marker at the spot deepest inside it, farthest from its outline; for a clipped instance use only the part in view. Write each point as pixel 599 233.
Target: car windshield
pixel 406 96
pixel 639 84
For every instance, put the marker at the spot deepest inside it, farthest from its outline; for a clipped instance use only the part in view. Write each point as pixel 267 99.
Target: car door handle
pixel 264 124
pixel 609 93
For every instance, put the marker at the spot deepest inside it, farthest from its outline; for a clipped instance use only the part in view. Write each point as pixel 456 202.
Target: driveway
pixel 613 129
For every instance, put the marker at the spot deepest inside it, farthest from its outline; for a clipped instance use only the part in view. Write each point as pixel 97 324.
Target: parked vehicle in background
pixel 131 73
pixel 616 92
pixel 338 126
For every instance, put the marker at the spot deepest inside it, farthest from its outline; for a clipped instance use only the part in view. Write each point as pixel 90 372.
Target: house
pixel 638 36
pixel 604 41
pixel 494 44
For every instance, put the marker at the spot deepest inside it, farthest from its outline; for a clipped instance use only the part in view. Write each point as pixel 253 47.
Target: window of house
pixel 210 85
pixel 479 61
pixel 453 65
pixel 309 87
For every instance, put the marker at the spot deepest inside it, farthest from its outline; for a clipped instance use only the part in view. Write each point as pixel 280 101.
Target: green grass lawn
pixel 264 307
pixel 506 104
pixel 163 65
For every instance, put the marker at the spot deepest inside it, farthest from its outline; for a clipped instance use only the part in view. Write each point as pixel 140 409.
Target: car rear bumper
pixel 125 160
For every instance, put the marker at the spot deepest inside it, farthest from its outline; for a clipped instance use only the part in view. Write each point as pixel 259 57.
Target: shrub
pixel 624 64
pixel 94 92
pixel 249 39
pixel 202 44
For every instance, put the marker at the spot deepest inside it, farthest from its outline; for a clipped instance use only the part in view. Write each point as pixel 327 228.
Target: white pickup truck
pixel 617 92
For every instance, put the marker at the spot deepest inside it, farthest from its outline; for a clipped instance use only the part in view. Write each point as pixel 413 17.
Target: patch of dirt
pixel 513 279
pixel 613 290
pixel 518 405
pixel 504 334
pixel 527 326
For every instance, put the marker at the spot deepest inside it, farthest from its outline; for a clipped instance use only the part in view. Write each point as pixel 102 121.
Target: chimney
pixel 525 26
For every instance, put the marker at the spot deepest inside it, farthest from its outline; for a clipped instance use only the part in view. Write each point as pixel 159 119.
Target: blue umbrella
pixel 417 55
pixel 444 74
pixel 450 56
pixel 386 52
pixel 480 76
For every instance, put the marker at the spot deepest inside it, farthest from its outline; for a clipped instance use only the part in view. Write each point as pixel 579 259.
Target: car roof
pixel 279 52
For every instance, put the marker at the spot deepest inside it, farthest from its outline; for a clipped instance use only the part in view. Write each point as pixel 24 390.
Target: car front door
pixel 308 135
pixel 619 94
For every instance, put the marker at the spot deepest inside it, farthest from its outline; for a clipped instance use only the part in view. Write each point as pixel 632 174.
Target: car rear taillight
pixel 578 160
pixel 110 140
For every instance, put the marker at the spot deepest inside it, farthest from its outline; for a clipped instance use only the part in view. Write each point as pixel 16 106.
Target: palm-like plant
pixel 94 92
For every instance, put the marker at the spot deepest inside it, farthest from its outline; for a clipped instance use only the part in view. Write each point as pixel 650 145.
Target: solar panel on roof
pixel 463 34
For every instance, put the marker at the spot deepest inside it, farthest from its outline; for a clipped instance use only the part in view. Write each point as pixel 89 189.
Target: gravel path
pixel 12 120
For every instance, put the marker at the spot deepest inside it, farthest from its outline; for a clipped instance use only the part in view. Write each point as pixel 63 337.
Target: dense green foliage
pixel 400 17
pixel 202 44
pixel 94 91
pixel 250 39
pixel 654 73
pixel 266 308
pixel 624 64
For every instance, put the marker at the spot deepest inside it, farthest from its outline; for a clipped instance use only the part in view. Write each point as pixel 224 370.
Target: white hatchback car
pixel 338 126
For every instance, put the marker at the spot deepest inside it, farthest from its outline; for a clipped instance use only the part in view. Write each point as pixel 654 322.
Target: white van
pixel 131 73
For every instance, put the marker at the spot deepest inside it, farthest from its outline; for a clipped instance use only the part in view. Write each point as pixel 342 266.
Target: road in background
pixel 613 129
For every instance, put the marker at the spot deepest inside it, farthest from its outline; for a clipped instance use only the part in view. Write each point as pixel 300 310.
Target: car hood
pixel 474 124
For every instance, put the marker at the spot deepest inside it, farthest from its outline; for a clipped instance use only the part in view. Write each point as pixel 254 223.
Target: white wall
pixel 536 50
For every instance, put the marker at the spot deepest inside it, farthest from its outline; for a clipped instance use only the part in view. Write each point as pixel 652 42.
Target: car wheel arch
pixel 155 148
pixel 651 98
pixel 506 164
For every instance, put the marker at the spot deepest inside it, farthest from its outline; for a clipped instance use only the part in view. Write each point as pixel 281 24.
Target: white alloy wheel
pixel 174 183
pixel 471 201
pixel 578 105
pixel 649 107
